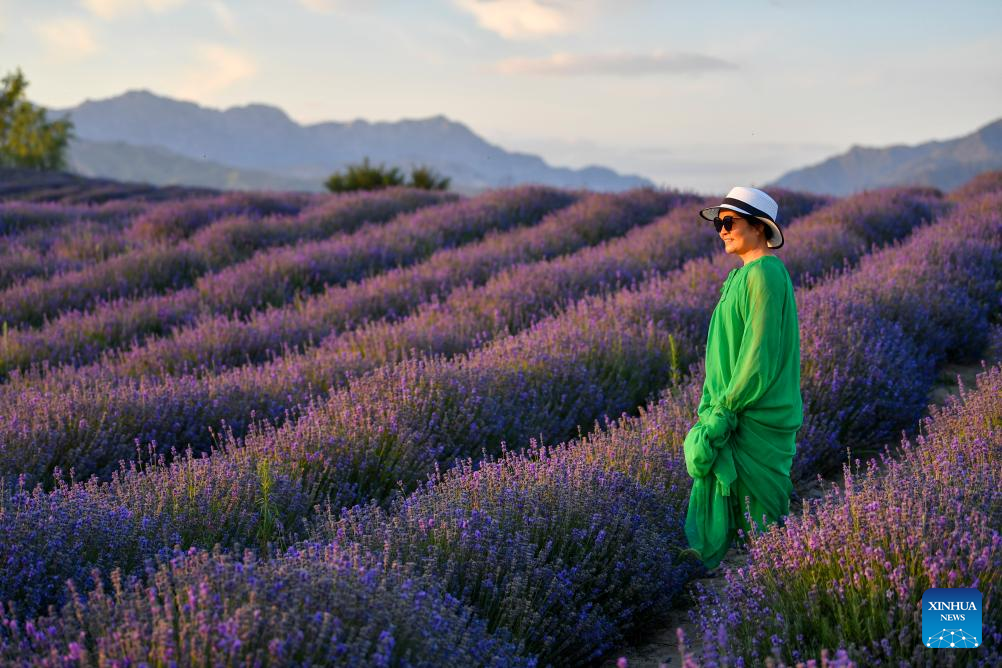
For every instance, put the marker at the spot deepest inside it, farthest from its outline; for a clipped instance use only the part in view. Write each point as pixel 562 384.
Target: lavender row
pixel 33 185
pixel 81 336
pixel 218 486
pixel 68 247
pixel 219 341
pixel 72 246
pixel 129 542
pixel 173 221
pixel 310 267
pixel 93 420
pixel 915 305
pixel 54 245
pixel 216 500
pixel 397 422
pixel 61 239
pixel 185 406
pixel 163 266
pixel 981 184
pixel 150 221
pixel 315 606
pixel 95 234
pixel 565 550
pixel 480 524
pixel 17 218
pixel 928 516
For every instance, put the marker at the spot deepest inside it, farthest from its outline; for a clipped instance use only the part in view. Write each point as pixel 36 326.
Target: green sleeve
pixel 759 357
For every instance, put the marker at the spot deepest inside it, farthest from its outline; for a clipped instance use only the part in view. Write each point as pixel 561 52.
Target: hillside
pixel 943 164
pixel 153 164
pixel 258 145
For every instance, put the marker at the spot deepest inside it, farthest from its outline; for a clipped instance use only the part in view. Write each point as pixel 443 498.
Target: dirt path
pixel 662 647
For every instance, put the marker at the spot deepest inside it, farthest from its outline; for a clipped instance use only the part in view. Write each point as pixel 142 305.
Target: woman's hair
pixel 756 223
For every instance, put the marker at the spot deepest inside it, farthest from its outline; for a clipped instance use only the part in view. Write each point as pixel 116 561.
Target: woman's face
pixel 743 237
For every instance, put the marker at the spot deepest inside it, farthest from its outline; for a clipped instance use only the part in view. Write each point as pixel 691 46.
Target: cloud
pixel 325 6
pixel 67 38
pixel 344 6
pixel 113 9
pixel 218 67
pixel 224 15
pixel 614 64
pixel 321 6
pixel 518 19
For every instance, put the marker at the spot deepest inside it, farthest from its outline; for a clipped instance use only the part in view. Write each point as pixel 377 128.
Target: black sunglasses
pixel 724 223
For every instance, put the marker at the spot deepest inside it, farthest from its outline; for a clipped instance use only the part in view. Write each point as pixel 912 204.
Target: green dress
pixel 750 410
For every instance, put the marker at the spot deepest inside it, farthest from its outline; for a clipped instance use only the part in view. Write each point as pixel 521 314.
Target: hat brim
pixel 711 212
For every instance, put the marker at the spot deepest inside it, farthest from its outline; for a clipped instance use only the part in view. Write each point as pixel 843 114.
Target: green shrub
pixel 425 177
pixel 27 138
pixel 365 176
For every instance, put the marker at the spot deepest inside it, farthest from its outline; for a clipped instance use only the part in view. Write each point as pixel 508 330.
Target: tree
pixel 27 137
pixel 364 177
pixel 425 177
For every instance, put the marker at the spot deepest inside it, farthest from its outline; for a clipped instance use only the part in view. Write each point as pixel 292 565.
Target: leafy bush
pixel 27 139
pixel 365 176
pixel 425 177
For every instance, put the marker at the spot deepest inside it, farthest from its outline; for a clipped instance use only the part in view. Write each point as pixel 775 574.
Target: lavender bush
pixel 172 221
pixel 69 247
pixel 645 449
pixel 916 304
pixel 850 571
pixel 983 183
pixel 32 185
pixel 17 218
pixel 313 606
pixel 278 274
pixel 162 266
pixel 268 389
pixel 411 526
pixel 94 428
pixel 306 466
pixel 219 341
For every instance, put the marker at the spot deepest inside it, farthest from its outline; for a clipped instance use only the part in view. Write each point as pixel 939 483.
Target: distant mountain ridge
pixel 943 164
pixel 258 145
pixel 152 164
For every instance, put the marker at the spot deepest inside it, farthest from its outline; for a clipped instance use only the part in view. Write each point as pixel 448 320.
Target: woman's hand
pixel 699 453
pixel 718 423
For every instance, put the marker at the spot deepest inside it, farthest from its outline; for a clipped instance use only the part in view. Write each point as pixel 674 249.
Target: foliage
pixel 365 176
pixel 425 177
pixel 27 138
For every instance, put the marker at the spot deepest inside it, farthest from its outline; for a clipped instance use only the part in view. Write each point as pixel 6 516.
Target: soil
pixel 661 647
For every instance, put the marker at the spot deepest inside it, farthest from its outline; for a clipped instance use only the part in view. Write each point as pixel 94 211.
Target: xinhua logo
pixel 951 618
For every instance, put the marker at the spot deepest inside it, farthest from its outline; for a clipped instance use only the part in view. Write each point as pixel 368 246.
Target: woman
pixel 751 408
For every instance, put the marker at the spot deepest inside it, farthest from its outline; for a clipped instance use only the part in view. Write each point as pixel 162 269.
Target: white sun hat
pixel 751 202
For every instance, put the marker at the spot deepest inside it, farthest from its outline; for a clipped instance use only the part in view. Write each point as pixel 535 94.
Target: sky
pixel 697 95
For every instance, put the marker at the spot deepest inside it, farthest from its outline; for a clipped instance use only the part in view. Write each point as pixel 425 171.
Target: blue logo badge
pixel 951 618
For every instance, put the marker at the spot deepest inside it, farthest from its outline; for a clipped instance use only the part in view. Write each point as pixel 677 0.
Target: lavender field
pixel 409 428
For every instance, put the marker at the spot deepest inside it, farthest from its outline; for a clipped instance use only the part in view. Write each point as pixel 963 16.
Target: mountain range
pixel 943 164
pixel 139 135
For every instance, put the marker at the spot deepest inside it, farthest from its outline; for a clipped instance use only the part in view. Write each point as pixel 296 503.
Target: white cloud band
pixel 515 19
pixel 614 64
